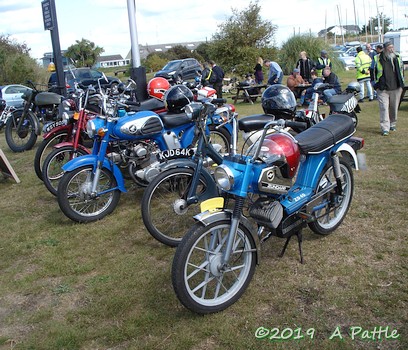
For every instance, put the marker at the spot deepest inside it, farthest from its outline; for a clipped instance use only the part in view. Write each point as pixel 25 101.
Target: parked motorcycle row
pixel 213 195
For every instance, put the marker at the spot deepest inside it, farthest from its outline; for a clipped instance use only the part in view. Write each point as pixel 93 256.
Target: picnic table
pixel 246 93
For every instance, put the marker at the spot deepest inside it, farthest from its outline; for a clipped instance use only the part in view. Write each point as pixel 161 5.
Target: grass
pixel 107 285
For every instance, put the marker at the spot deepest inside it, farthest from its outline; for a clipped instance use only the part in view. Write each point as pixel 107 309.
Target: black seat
pixel 325 134
pixel 254 122
pixel 171 120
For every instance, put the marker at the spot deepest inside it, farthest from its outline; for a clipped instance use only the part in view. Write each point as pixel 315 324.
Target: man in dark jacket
pixel 219 76
pixel 389 81
pixel 330 78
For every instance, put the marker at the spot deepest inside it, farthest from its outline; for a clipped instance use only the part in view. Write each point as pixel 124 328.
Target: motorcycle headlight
pixel 90 128
pixel 224 177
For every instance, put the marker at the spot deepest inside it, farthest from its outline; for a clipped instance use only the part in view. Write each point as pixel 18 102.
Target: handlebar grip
pixel 219 101
pixel 296 125
pixel 132 103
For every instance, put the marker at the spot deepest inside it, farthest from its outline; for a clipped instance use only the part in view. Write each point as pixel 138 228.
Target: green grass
pixel 107 285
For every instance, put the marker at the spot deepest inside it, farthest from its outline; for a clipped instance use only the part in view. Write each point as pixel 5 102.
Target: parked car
pixel 85 77
pixel 345 59
pixel 179 70
pixel 12 94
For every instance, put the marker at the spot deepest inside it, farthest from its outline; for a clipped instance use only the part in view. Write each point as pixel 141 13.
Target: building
pixel 111 61
pixel 340 30
pixel 145 50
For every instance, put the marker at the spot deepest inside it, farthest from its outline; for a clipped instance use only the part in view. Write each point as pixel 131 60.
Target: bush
pixel 16 65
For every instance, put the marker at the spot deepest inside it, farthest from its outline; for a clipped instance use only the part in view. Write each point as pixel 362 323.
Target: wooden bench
pixel 243 93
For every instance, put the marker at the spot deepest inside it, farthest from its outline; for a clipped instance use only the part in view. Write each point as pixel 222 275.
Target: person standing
pixel 378 50
pixel 219 77
pixel 275 75
pixel 389 81
pixel 206 75
pixel 322 62
pixel 363 63
pixel 305 65
pixel 258 71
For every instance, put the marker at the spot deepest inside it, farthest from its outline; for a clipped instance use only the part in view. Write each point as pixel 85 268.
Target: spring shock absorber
pixel 337 173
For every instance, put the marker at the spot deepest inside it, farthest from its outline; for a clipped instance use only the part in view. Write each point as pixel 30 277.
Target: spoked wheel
pixel 52 169
pixel 20 137
pixel 45 147
pixel 221 137
pixel 76 200
pixel 201 282
pixel 334 206
pixel 164 210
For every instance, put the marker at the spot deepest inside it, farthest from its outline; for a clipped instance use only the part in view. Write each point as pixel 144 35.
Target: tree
pixel 16 65
pixel 84 53
pixel 372 26
pixel 242 38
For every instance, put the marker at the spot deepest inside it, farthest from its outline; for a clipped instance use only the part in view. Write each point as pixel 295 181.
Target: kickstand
pixel 300 240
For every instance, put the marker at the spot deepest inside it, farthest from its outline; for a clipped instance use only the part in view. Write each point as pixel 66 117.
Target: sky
pixel 106 22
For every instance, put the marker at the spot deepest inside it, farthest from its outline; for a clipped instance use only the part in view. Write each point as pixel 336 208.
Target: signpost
pixel 51 24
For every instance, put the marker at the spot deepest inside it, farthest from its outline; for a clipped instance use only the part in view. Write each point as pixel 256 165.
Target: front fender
pixel 37 126
pixel 92 160
pixel 211 191
pixel 208 217
pixel 345 147
pixel 68 143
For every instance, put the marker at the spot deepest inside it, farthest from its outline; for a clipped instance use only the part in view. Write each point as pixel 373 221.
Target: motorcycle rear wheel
pixel 45 147
pixel 198 280
pixel 336 206
pixel 164 212
pixel 23 139
pixel 75 200
pixel 52 168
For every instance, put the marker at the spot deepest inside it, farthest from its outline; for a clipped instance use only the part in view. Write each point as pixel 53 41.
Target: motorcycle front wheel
pixel 45 147
pixel 200 281
pixel 221 137
pixel 164 210
pixel 333 206
pixel 76 200
pixel 52 169
pixel 20 138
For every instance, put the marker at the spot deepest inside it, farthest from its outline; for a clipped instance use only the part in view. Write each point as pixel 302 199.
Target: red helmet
pixel 157 87
pixel 285 151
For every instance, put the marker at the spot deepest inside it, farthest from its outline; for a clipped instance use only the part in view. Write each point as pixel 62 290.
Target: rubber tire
pixel 48 184
pixel 31 138
pixel 224 134
pixel 65 206
pixel 185 251
pixel 346 170
pixel 43 150
pixel 149 192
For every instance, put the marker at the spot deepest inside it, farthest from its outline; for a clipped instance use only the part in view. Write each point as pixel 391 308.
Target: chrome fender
pixel 345 147
pixel 208 217
pixel 91 159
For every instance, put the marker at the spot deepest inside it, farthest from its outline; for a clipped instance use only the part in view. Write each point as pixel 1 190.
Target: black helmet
pixel 177 97
pixel 279 101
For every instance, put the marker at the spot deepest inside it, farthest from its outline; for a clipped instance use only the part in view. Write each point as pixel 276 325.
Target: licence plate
pixel 174 154
pixel 50 126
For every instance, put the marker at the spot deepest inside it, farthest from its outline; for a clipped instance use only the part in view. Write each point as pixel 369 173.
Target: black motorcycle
pixel 24 125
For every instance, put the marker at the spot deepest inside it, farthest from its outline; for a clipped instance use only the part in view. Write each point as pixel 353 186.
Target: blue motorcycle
pixel 135 144
pixel 281 185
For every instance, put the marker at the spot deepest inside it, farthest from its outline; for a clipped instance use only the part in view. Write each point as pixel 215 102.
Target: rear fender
pixel 208 217
pixel 92 160
pixel 345 148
